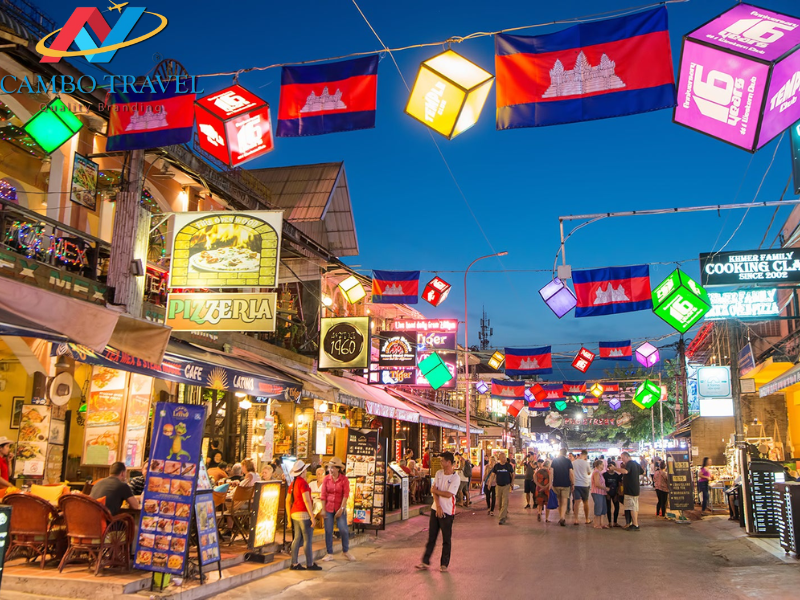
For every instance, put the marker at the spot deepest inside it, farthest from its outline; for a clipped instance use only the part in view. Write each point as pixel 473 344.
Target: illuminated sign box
pixel 264 517
pixel 744 304
pixel 714 382
pixel 52 126
pixel 679 301
pixel 716 407
pixel 753 266
pixel 221 312
pixel 397 349
pixel 740 77
pixel 344 343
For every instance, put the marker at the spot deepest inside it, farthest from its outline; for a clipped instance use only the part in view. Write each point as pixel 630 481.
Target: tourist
pixel 489 486
pixel 612 479
pixel 249 477
pixel 644 465
pixel 504 472
pixel 5 458
pixel 299 506
pixel 704 477
pixel 217 473
pixel 444 489
pixel 542 479
pixel 137 483
pixel 214 457
pixel 266 472
pixel 661 483
pixel 631 472
pixel 236 472
pixel 426 459
pixel 409 454
pixel 404 466
pixel 412 467
pixel 530 465
pixel 563 483
pixel 114 489
pixel 599 490
pixel 334 492
pixel 583 482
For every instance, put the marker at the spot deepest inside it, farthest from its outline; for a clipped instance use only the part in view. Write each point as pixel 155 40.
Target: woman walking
pixel 489 485
pixel 613 481
pixel 334 492
pixel 704 477
pixel 661 483
pixel 299 506
pixel 599 491
pixel 542 479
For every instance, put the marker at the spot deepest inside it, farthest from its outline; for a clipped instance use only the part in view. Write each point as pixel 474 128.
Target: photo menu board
pixel 765 501
pixel 164 525
pixel 137 417
pixel 362 463
pixel 205 517
pixel 34 432
pixel 104 411
pixel 379 486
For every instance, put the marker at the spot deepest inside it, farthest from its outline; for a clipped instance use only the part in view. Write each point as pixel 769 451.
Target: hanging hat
pixel 336 462
pixel 4 440
pixel 298 468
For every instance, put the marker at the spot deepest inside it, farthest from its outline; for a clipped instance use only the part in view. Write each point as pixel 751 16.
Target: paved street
pixel 526 559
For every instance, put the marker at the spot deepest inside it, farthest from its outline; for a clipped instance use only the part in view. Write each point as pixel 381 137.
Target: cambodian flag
pixel 528 361
pixel 508 390
pixel 615 350
pixel 538 406
pixel 574 388
pixel 328 98
pixel 555 391
pixel 139 121
pixel 598 70
pixel 590 400
pixel 612 290
pixel 395 287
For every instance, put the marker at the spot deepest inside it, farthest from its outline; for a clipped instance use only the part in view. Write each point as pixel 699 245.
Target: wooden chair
pixel 238 512
pixel 35 526
pixel 91 529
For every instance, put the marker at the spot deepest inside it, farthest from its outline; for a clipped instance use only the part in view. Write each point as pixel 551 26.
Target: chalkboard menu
pixel 789 524
pixel 681 489
pixel 765 501
pixel 366 471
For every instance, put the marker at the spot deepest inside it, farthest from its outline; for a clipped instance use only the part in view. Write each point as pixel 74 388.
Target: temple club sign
pixel 744 304
pixel 756 266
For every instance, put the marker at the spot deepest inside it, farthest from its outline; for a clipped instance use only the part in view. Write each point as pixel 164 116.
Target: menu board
pixel 205 517
pixel 105 408
pixel 303 435
pixel 765 501
pixel 136 419
pixel 789 525
pixel 34 431
pixel 362 450
pixel 264 519
pixel 169 487
pixel 681 487
pixel 379 486
pixel 403 490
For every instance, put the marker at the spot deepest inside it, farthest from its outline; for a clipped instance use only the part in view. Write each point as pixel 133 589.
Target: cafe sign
pixel 754 266
pixel 344 343
pixel 222 312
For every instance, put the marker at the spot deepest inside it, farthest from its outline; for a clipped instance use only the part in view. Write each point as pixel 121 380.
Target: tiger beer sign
pixel 221 312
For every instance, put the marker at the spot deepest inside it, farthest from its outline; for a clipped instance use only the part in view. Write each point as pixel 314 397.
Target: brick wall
pixel 710 435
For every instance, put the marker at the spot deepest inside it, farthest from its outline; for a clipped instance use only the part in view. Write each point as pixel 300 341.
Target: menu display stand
pixel 789 524
pixel 205 537
pixel 403 490
pixel 263 520
pixel 764 506
pixel 5 523
pixel 366 471
pixel 681 487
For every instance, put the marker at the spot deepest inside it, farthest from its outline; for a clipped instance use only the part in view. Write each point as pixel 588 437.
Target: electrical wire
pixel 775 214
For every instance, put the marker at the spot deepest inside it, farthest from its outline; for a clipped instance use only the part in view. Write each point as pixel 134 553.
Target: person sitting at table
pixel 236 472
pixel 214 458
pixel 412 467
pixel 404 466
pixel 218 473
pixel 250 476
pixel 266 472
pixel 114 489
pixel 137 483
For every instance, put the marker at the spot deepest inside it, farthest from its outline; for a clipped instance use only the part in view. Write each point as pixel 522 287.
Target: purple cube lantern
pixel 739 77
pixel 615 404
pixel 647 354
pixel 558 297
pixel 481 387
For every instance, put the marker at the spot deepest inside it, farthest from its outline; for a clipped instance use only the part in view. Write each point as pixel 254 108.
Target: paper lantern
pixel 560 405
pixel 583 360
pixel 435 371
pixel 647 394
pixel 558 297
pixel 52 126
pixel 234 125
pixel 436 291
pixel 680 301
pixel 481 387
pixel 538 392
pixel 647 354
pixel 352 289
pixel 597 390
pixel 726 66
pixel 449 93
pixel 515 407
pixel 615 404
pixel 528 395
pixel 496 360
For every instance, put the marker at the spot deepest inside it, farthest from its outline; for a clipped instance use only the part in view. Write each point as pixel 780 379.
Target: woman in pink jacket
pixel 334 492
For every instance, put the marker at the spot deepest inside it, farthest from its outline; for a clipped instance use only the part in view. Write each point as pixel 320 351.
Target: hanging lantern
pixel 560 405
pixel 538 392
pixel 647 394
pixel 435 371
pixel 596 390
pixel 352 289
pixel 615 404
pixel 497 360
pixel 647 354
pixel 234 126
pixel 583 360
pixel 481 387
pixel 558 297
pixel 680 301
pixel 528 394
pixel 436 291
pixel 515 407
pixel 449 93
pixel 52 126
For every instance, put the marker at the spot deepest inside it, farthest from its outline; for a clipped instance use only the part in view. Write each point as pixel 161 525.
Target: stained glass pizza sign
pixel 226 249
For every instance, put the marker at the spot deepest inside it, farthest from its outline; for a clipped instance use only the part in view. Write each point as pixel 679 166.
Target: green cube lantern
pixel 53 126
pixel 561 405
pixel 435 371
pixel 680 301
pixel 647 394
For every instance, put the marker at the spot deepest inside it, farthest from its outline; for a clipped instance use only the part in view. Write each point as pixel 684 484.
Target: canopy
pixel 431 416
pixel 787 379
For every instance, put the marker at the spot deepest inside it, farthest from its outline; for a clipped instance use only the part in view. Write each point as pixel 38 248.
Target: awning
pixel 768 371
pixel 13 325
pixel 313 385
pixel 430 416
pixel 85 323
pixel 347 392
pixel 781 382
pixel 386 405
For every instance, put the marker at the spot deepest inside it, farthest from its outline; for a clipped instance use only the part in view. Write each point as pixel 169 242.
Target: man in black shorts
pixel 530 488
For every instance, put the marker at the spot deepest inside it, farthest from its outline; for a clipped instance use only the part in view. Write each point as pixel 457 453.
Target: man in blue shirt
pixel 504 475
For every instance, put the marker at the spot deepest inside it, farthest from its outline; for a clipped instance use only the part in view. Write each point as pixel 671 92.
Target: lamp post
pixel 467 390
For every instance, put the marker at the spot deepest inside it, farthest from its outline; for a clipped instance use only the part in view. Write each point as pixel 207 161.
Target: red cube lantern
pixel 234 126
pixel 436 291
pixel 583 360
pixel 539 392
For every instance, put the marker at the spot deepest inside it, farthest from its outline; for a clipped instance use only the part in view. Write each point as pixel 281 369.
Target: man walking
pixel 583 481
pixel 444 489
pixel 563 483
pixel 631 471
pixel 504 476
pixel 530 489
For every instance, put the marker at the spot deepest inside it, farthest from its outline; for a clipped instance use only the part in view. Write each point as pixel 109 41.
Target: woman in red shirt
pixel 334 492
pixel 5 457
pixel 301 511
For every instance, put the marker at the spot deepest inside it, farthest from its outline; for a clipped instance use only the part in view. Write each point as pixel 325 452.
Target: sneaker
pixel 314 567
pixel 327 558
pixel 422 566
pixel 349 557
pixel 633 528
pixel 443 569
pixel 562 522
pixel 297 568
pixel 527 506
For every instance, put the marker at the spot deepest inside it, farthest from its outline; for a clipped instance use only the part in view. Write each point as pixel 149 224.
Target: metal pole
pixel 682 383
pixel 667 211
pixel 563 248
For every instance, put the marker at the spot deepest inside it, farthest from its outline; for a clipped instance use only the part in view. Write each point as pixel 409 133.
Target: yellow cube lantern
pixel 352 289
pixel 597 390
pixel 449 93
pixel 496 360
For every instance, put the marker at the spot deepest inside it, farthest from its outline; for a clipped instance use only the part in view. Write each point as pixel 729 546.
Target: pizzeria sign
pixel 222 312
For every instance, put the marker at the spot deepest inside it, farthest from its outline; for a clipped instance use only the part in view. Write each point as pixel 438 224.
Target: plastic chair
pixel 35 526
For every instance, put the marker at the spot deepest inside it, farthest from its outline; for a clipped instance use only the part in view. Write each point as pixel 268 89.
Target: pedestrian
pixel 643 464
pixel 465 476
pixel 530 465
pixel 444 489
pixel 599 491
pixel 300 507
pixel 504 479
pixel 334 492
pixel 704 477
pixel 612 479
pixel 563 483
pixel 661 483
pixel 542 480
pixel 583 482
pixel 631 472
pixel 489 487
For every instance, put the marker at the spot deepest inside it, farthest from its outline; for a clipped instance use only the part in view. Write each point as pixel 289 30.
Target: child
pixel 599 491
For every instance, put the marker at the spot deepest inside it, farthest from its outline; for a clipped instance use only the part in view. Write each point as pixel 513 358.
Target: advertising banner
pixel 31 451
pixel 681 488
pixel 136 420
pixel 226 249
pixel 450 359
pixel 105 409
pixel 398 376
pixel 83 190
pixel 205 518
pixel 397 349
pixel 264 519
pixel 754 266
pixel 345 343
pixel 164 524
pixel 222 312
pixel 795 143
pixel 714 382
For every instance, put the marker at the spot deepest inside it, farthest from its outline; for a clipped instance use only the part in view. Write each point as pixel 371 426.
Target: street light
pixel 466 338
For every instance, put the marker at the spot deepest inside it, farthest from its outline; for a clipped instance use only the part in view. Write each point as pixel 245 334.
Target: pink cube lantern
pixel 647 354
pixel 558 297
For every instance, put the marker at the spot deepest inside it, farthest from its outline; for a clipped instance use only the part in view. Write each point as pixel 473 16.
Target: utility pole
pixel 741 446
pixel 682 379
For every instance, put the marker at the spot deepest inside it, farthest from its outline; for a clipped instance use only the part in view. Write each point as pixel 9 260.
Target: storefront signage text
pixel 755 266
pixel 50 278
pixel 426 325
pixel 222 312
pixel 744 304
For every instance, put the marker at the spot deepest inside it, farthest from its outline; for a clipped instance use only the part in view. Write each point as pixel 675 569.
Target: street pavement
pixel 525 558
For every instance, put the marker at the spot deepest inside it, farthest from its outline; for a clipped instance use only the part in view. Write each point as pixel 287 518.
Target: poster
pixel 228 311
pixel 363 464
pixel 163 541
pixel 84 182
pixel 206 519
pixel 397 349
pixel 681 488
pixel 226 249
pixel 105 409
pixel 34 431
pixel 264 519
pixel 345 343
pixel 303 439
pixel 138 416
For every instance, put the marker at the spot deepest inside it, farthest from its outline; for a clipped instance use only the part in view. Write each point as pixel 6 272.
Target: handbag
pixel 552 500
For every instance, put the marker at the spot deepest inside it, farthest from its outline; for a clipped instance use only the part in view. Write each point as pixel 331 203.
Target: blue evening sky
pixel 408 211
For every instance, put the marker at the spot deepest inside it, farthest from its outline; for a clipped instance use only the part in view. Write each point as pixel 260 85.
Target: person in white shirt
pixel 444 489
pixel 583 481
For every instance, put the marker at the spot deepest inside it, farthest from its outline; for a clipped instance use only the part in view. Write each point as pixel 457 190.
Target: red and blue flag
pixel 528 361
pixel 150 119
pixel 535 406
pixel 574 388
pixel 609 68
pixel 328 98
pixel 612 290
pixel 395 287
pixel 555 391
pixel 508 391
pixel 616 350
